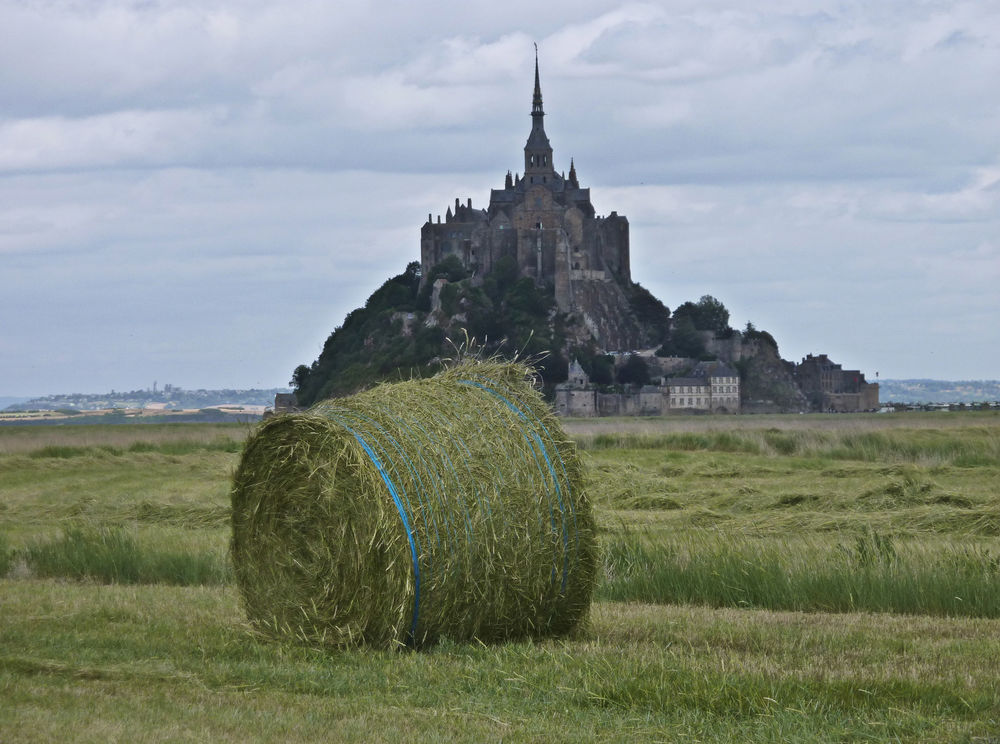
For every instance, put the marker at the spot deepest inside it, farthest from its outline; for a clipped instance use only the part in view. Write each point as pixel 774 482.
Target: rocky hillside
pixel 411 324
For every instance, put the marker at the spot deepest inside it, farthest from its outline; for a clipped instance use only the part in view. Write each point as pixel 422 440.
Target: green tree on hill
pixel 393 335
pixel 635 371
pixel 708 314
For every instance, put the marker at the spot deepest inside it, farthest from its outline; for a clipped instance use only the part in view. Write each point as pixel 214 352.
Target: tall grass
pixel 967 447
pixel 6 556
pixel 717 441
pixel 866 572
pixel 111 555
pixel 78 438
pixel 178 447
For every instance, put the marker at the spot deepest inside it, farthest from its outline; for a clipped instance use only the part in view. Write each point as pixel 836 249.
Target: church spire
pixel 538 152
pixel 536 101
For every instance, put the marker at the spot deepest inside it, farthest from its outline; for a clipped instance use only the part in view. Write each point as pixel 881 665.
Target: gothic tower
pixel 547 226
pixel 538 166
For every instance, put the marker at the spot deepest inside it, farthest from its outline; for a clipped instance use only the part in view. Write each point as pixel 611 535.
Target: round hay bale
pixel 445 507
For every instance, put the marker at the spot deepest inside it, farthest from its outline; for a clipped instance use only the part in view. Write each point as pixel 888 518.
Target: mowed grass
pixel 830 518
pixel 99 663
pixel 758 585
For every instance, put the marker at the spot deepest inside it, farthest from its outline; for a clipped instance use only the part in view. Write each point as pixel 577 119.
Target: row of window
pixel 699 388
pixel 694 402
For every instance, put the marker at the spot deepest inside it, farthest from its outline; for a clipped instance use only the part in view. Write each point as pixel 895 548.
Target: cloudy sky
pixel 196 193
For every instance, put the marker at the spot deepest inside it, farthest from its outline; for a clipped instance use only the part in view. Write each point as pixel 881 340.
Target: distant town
pixel 173 402
pixel 167 403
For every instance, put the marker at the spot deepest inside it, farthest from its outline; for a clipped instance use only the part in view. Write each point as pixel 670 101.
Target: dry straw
pixel 445 507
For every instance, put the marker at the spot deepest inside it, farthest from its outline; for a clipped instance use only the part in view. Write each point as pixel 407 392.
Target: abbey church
pixel 584 312
pixel 546 222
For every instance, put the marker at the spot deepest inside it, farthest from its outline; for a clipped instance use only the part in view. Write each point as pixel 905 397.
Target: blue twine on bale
pixel 537 446
pixel 552 472
pixel 377 462
pixel 562 467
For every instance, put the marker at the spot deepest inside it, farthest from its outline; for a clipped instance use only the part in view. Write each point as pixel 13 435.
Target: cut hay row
pixel 445 507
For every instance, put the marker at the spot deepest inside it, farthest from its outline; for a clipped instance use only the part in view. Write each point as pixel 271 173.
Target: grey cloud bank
pixel 198 193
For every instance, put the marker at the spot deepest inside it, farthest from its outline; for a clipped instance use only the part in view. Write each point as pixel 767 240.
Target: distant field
pixel 588 427
pixel 39 440
pixel 766 578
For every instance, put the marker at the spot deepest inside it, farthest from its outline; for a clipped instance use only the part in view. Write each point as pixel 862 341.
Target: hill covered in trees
pixel 411 324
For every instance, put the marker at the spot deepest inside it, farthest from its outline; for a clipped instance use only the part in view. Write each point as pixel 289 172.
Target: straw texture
pixel 445 507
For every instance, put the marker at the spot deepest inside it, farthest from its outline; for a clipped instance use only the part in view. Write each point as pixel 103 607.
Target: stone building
pixel 712 387
pixel 829 387
pixel 283 403
pixel 576 397
pixel 545 221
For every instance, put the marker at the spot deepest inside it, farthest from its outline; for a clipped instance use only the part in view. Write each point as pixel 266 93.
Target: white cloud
pixel 106 140
pixel 829 170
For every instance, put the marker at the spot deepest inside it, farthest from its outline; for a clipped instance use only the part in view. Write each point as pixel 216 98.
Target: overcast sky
pixel 197 193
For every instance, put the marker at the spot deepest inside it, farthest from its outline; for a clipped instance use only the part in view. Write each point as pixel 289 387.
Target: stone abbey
pixel 584 312
pixel 545 221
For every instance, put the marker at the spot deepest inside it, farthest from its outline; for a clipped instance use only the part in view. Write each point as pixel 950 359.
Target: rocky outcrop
pixel 768 384
pixel 604 317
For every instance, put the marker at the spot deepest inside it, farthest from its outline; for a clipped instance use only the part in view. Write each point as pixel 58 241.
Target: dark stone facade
pixel 545 221
pixel 829 387
pixel 713 387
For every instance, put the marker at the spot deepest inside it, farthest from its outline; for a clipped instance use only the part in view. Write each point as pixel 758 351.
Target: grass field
pixel 772 578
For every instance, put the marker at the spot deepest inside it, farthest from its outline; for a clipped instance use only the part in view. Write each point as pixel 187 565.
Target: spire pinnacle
pixel 537 151
pixel 536 101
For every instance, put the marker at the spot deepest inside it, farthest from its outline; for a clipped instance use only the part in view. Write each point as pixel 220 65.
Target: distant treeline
pixel 939 391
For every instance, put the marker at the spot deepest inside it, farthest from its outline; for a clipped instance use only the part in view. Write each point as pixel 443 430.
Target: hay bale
pixel 446 507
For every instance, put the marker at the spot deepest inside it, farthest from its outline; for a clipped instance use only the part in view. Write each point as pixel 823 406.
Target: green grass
pixel 176 663
pixel 864 529
pixel 177 447
pixel 6 556
pixel 111 555
pixel 75 437
pixel 866 572
pixel 968 447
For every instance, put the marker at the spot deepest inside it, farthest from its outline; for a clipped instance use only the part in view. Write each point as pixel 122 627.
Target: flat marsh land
pixel 765 578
